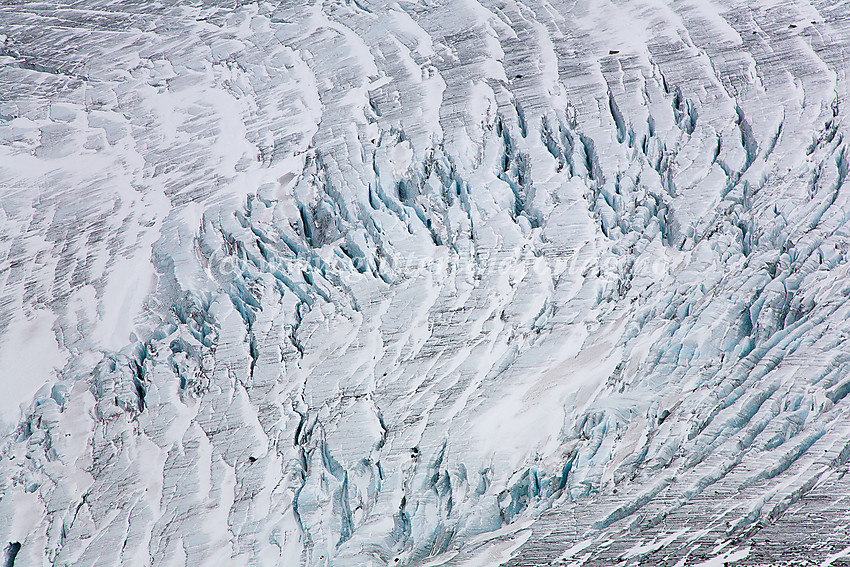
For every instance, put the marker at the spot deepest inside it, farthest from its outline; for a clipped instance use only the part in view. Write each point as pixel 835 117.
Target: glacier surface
pixel 424 282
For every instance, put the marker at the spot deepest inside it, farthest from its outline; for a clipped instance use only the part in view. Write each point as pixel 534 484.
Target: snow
pixel 419 283
pixel 30 358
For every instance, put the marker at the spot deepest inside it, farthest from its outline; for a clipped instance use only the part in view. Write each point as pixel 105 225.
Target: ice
pixel 423 283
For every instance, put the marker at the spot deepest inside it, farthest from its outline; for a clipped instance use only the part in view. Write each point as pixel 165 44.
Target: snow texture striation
pixel 424 282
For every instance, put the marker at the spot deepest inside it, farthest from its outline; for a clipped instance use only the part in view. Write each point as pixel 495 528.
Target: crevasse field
pixel 423 283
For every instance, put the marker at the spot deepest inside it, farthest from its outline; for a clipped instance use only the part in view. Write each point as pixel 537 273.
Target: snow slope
pixel 426 282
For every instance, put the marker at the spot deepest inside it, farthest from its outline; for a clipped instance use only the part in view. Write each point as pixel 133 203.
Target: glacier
pixel 424 282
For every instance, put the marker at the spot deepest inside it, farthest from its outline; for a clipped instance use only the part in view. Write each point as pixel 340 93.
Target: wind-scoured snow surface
pixel 460 283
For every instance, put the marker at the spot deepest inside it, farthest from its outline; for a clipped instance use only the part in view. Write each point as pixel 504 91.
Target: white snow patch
pixel 29 357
